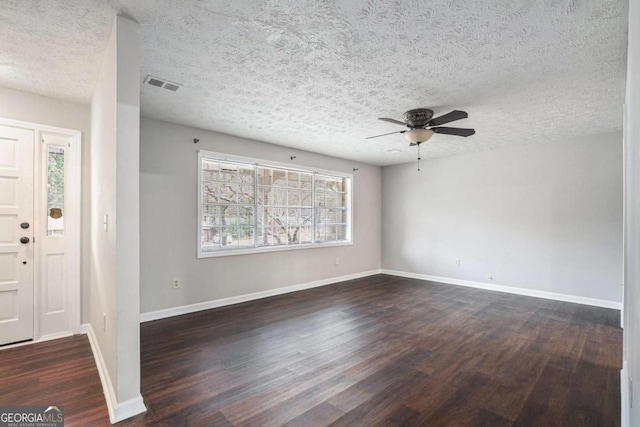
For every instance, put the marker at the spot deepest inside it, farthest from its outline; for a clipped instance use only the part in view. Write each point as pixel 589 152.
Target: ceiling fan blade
pixel 454 131
pixel 449 117
pixel 385 134
pixel 398 122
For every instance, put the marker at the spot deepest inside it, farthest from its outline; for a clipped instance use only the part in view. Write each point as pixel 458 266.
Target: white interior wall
pixel 42 110
pixel 543 217
pixel 127 219
pixel 169 197
pixel 632 227
pixel 115 123
pixel 103 202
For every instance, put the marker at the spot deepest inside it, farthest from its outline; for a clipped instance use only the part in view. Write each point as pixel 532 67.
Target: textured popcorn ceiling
pixel 316 74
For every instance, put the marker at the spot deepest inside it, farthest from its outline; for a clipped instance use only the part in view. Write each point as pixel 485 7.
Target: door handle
pixel 24 225
pixel 24 240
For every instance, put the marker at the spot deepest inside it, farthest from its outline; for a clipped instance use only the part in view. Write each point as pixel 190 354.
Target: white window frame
pixel 204 154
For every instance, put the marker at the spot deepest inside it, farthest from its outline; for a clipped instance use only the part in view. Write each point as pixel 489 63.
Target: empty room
pixel 319 212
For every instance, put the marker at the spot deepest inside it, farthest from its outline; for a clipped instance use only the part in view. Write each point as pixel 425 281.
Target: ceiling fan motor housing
pixel 417 118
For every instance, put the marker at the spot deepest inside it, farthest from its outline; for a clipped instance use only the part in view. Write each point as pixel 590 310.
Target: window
pixel 55 190
pixel 247 205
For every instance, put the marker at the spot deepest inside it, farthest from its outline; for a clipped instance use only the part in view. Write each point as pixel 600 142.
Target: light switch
pixel 106 222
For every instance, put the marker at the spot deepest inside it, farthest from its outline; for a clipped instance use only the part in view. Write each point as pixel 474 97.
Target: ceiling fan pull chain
pixel 418 157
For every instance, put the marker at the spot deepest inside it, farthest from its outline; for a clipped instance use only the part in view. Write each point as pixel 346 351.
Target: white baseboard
pixel 509 289
pixel 55 336
pixel 128 409
pixel 624 395
pixel 118 411
pixel 105 379
pixel 191 308
pixel 39 340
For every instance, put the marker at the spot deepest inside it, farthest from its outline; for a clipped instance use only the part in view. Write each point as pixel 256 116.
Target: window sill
pixel 265 249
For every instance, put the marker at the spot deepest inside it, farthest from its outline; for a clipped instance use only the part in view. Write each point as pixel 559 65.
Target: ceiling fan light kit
pixel 418 136
pixel 422 126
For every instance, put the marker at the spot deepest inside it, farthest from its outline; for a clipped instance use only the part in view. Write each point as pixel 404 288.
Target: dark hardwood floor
pixel 375 351
pixel 59 372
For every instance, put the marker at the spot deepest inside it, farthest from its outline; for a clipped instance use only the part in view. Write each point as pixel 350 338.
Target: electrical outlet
pixel 490 276
pixel 176 283
pixel 457 263
pixel 337 260
pixel 104 321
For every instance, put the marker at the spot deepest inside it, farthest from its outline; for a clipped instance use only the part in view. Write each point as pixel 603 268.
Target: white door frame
pixel 73 208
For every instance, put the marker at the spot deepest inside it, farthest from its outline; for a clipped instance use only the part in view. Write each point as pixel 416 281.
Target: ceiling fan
pixel 422 125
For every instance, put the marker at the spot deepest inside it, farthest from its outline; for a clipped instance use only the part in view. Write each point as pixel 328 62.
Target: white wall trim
pixel 118 411
pixel 128 409
pixel 509 289
pixel 37 126
pixel 43 338
pixel 55 336
pixel 624 395
pixel 107 386
pixel 191 308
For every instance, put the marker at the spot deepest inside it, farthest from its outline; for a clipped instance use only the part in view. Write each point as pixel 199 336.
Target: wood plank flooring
pixel 375 351
pixel 59 372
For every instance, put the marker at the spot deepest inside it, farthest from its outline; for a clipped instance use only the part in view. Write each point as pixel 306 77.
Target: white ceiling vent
pixel 158 82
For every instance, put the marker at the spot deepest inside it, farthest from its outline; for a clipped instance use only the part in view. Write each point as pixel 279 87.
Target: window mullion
pixel 313 207
pixel 286 207
pixel 255 206
pixel 238 197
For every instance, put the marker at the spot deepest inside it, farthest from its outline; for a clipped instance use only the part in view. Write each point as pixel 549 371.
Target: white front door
pixel 16 234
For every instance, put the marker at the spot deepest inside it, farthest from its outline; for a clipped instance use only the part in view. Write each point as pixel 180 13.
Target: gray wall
pixel 546 217
pixel 632 227
pixel 42 110
pixel 168 210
